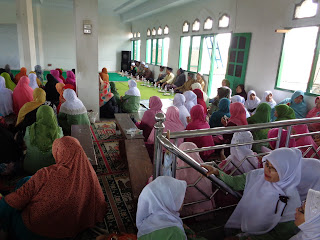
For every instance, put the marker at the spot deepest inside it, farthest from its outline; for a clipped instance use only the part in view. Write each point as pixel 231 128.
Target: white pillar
pixel 87 53
pixel 25 27
pixel 40 42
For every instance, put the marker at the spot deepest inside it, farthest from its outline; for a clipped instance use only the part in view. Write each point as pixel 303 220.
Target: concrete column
pixel 87 53
pixel 25 27
pixel 40 42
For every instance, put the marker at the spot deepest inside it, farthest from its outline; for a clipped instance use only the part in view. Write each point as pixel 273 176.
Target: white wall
pixel 259 17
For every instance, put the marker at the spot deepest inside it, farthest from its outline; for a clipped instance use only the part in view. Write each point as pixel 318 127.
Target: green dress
pixel 170 233
pixel 130 103
pixel 262 115
pixel 67 120
pixel 282 231
pixel 115 92
pixel 36 159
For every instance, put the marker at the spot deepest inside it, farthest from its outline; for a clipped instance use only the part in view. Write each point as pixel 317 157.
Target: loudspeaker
pixel 125 66
pixel 125 56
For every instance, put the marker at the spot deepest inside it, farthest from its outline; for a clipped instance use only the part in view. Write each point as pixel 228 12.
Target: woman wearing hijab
pixel 60 75
pixel 215 119
pixel 9 83
pixel 225 83
pixel 33 81
pixel 268 98
pixel 205 96
pixel 179 101
pixel 307 217
pixel 27 211
pixel 130 102
pixel 315 112
pixel 59 87
pixel 304 141
pixel 6 104
pixel 148 120
pixel 51 91
pixel 262 115
pixel 115 92
pixel 241 91
pixel 273 133
pixel 39 73
pixel 56 75
pixel 238 98
pixel 72 112
pixel 27 113
pixel 191 99
pixel 252 102
pixel 104 75
pixel 158 210
pixel 297 103
pixel 172 123
pixel 192 177
pixel 199 79
pixel 238 153
pixel 200 100
pixel 272 216
pixel 7 68
pixel 39 138
pixel 222 92
pixel 198 121
pixel 22 73
pixel 22 94
pixel 71 79
pixel 107 103
pixel 284 112
pixel 39 83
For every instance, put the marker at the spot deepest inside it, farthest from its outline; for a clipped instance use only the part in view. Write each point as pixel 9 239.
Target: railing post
pixel 288 135
pixel 158 155
pixel 279 137
pixel 174 162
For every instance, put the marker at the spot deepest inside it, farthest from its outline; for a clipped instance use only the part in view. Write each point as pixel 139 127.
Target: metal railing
pixel 163 140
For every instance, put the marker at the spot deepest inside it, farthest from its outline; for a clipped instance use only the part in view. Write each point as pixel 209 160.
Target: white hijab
pixel 6 103
pixel 255 213
pixel 191 100
pixel 179 101
pixel 310 228
pixel 238 98
pixel 33 81
pixel 198 86
pixel 133 90
pixel 237 154
pixel 310 178
pixel 272 103
pixel 159 204
pixel 251 104
pixel 72 105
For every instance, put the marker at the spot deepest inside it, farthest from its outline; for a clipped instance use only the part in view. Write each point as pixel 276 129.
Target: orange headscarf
pixel 104 75
pixel 60 88
pixel 63 199
pixel 22 73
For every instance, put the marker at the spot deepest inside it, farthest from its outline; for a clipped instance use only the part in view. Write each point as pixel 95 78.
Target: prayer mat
pixel 105 131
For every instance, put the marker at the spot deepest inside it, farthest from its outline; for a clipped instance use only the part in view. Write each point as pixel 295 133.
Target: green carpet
pixel 146 92
pixel 115 77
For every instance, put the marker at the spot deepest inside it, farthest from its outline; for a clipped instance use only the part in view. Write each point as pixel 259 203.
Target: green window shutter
pixel 238 59
pixel 132 47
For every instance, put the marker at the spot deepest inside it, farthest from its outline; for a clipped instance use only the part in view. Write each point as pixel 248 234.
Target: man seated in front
pixel 141 69
pixel 148 74
pixel 168 79
pixel 187 85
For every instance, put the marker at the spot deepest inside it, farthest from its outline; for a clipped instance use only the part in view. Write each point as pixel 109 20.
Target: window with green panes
pixel 299 67
pixel 157 51
pixel 135 50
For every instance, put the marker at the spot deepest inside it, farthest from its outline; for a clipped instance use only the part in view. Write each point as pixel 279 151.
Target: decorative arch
pixel 154 32
pixel 208 24
pixel 159 32
pixel 306 9
pixel 224 21
pixel 166 30
pixel 185 27
pixel 196 26
pixel 148 32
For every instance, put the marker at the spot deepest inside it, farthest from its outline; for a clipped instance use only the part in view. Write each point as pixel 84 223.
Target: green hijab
pixel 114 91
pixel 284 112
pixel 45 130
pixel 262 114
pixel 9 83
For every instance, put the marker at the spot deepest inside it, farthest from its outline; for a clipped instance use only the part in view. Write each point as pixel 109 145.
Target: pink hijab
pixel 56 75
pixel 22 94
pixel 198 121
pixel 172 123
pixel 191 176
pixel 314 112
pixel 155 106
pixel 238 114
pixel 200 99
pixel 306 140
pixel 274 133
pixel 71 79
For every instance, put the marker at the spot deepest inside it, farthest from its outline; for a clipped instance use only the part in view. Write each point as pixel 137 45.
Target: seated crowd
pixel 37 141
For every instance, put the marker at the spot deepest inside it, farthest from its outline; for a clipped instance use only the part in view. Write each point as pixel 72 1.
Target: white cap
pixel 143 63
pixel 132 64
pixel 146 66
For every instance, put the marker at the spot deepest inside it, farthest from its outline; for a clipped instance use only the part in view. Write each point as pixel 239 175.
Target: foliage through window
pixel 157 51
pixel 307 8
